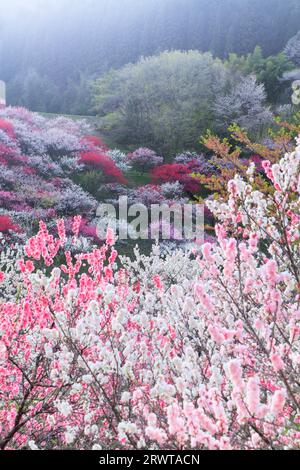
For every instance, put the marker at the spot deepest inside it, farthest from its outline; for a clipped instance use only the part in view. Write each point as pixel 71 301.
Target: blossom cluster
pixel 197 350
pixel 144 159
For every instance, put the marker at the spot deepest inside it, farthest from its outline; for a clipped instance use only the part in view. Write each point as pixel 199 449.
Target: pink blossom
pixel 253 394
pixel 110 237
pixel 156 434
pixel 236 374
pixel 277 362
pixel 3 352
pixel 278 402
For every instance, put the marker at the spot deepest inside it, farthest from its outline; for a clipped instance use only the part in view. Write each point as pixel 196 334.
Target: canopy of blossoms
pixel 181 351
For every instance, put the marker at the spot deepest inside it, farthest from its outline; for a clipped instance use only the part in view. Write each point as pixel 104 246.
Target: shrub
pixel 148 194
pixel 96 159
pixel 94 141
pixel 186 157
pixel 7 127
pixel 90 181
pixel 120 159
pixel 173 190
pixel 6 224
pixel 176 172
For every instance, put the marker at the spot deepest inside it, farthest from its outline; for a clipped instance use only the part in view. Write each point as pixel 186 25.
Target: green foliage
pixel 136 178
pixel 39 93
pixel 47 202
pixel 163 102
pixel 76 97
pixel 267 70
pixel 90 181
pixel 33 90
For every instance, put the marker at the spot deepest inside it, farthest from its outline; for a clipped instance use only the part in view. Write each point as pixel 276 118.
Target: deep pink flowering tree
pixel 176 352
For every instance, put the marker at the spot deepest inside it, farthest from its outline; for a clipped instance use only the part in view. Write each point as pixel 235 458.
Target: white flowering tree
pixel 292 49
pixel 243 105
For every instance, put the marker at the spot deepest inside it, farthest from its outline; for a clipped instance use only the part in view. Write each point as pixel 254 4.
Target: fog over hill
pixel 58 44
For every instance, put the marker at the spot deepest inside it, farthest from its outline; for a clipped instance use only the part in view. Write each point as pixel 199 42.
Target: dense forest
pixel 52 53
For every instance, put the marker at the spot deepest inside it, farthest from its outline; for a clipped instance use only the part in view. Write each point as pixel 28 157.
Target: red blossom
pixel 100 159
pixel 176 172
pixel 7 224
pixel 7 127
pixel 94 141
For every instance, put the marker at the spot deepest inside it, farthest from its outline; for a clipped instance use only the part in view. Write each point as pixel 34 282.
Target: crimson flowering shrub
pixel 95 141
pixel 7 225
pixel 100 159
pixel 177 172
pixel 96 155
pixel 187 350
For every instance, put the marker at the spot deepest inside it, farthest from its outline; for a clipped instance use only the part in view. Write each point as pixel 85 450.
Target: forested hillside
pixel 47 61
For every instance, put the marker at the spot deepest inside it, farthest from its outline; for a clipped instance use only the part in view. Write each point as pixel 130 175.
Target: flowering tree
pixel 292 49
pixel 243 105
pixel 143 159
pixel 172 190
pixel 176 352
pixel 229 159
pixel 147 195
pixel 120 159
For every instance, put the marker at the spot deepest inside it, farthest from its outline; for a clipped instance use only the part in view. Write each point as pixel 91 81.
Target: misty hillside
pixel 55 50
